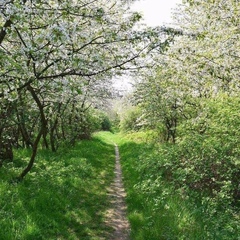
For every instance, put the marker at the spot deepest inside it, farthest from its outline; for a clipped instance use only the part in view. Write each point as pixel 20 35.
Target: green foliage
pixel 90 122
pixel 64 196
pixel 209 150
pixel 192 96
pixel 131 119
pixel 169 192
pixel 115 123
pixel 105 122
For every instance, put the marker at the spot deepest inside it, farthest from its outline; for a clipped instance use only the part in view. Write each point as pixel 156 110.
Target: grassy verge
pixel 155 211
pixel 64 196
pixel 157 208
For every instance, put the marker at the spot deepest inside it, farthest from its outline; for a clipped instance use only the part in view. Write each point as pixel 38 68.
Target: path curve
pixel 116 215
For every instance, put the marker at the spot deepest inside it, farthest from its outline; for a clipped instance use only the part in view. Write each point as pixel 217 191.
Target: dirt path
pixel 116 215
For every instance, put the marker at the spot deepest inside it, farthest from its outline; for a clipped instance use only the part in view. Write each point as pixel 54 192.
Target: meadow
pixel 63 197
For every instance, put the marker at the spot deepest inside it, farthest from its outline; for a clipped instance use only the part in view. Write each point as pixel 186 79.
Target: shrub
pixel 131 120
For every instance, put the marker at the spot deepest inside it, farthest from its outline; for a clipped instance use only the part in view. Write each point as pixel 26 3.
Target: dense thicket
pixel 191 98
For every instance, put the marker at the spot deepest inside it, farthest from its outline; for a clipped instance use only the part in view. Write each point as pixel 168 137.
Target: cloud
pixel 156 12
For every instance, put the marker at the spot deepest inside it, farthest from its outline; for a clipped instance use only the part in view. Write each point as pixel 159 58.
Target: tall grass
pixel 157 208
pixel 64 196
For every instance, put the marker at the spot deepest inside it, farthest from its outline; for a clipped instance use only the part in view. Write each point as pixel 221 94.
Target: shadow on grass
pixel 153 215
pixel 64 197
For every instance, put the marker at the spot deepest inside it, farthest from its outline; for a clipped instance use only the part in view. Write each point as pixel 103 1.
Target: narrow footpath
pixel 116 215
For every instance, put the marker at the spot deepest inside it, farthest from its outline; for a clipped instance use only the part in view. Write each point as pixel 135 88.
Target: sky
pixel 156 12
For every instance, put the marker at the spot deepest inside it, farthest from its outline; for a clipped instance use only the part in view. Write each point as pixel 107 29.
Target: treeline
pixel 57 60
pixel 191 101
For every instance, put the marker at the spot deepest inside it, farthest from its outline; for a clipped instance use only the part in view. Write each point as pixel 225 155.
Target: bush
pixel 105 123
pixel 190 190
pixel 131 120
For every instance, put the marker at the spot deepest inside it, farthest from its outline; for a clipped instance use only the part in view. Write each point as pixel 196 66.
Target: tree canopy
pixel 57 58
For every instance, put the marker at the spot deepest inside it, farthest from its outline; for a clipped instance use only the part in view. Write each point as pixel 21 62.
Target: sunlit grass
pixel 157 210
pixel 64 196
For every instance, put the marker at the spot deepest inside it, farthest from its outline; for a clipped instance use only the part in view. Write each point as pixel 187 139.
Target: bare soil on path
pixel 116 214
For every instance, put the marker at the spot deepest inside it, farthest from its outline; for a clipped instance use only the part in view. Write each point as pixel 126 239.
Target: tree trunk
pixel 52 139
pixel 42 115
pixel 42 132
pixel 33 156
pixel 53 128
pixel 25 136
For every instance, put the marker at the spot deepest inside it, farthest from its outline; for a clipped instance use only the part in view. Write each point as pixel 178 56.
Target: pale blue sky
pixel 156 12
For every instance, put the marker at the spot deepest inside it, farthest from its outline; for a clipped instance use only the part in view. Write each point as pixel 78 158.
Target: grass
pixel 157 210
pixel 64 196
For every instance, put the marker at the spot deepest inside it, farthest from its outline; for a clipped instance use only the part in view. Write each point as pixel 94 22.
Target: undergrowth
pixel 65 196
pixel 161 204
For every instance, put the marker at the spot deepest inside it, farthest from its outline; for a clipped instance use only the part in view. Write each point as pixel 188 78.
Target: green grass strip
pixel 64 196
